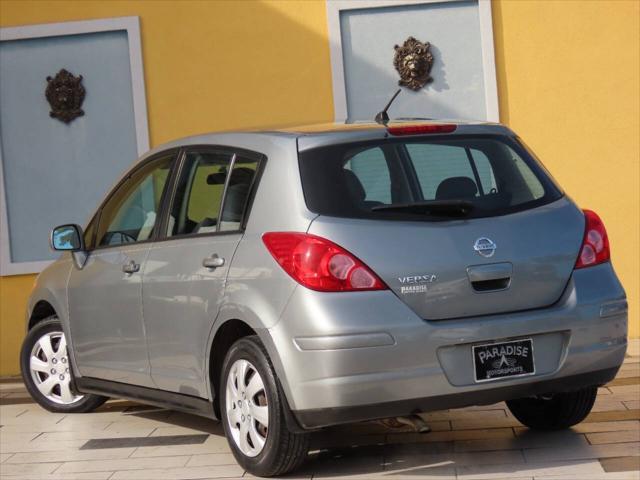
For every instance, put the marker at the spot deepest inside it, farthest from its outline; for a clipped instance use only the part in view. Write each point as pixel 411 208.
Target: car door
pixel 185 272
pixel 105 294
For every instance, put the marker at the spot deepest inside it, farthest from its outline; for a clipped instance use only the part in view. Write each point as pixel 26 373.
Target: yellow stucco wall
pixel 567 80
pixel 569 84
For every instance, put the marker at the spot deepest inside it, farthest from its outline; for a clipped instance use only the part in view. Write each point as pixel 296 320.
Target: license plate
pixel 499 360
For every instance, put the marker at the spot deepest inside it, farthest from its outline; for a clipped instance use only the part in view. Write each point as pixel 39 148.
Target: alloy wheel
pixel 246 407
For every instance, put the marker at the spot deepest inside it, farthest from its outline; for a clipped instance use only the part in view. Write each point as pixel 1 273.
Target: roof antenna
pixel 382 118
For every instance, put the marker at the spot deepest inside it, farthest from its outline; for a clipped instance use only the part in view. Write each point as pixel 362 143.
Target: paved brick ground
pixel 124 440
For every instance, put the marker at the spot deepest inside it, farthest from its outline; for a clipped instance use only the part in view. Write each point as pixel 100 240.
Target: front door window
pixel 132 212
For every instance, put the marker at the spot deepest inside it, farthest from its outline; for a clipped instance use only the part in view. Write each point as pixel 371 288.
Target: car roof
pixel 315 135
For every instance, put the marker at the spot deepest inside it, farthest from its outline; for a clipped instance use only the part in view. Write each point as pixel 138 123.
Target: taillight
pixel 320 264
pixel 595 244
pixel 400 130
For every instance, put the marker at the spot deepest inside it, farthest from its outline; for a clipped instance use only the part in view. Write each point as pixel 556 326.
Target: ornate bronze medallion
pixel 413 61
pixel 65 94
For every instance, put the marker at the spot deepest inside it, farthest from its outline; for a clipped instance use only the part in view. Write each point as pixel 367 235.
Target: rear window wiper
pixel 432 207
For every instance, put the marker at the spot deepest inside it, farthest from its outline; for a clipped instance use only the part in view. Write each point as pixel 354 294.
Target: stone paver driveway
pixel 124 440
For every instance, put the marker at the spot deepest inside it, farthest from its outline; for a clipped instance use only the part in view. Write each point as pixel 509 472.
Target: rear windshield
pixel 387 179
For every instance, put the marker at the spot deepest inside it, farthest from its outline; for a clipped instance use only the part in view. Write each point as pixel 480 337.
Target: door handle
pixel 490 278
pixel 492 271
pixel 131 267
pixel 214 261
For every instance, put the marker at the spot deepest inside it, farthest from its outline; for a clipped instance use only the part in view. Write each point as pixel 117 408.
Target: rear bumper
pixel 366 355
pixel 323 417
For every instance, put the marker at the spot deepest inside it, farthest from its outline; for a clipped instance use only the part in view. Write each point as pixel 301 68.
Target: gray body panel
pixel 105 316
pixel 541 262
pixel 434 358
pixel 156 327
pixel 180 299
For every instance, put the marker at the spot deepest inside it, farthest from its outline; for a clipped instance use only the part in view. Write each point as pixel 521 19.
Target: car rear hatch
pixel 455 225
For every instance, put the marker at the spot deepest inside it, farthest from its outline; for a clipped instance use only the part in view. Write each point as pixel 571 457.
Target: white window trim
pixel 334 7
pixel 132 26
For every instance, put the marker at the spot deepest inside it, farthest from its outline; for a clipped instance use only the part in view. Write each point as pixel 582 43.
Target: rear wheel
pixel 554 411
pixel 253 413
pixel 47 373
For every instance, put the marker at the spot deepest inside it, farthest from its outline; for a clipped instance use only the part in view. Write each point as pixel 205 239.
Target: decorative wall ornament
pixel 413 61
pixel 65 94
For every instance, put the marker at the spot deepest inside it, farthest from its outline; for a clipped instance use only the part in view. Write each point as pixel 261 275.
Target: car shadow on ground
pixel 373 449
pixel 479 442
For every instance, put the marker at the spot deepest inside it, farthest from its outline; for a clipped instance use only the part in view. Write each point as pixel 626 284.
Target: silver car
pixel 286 281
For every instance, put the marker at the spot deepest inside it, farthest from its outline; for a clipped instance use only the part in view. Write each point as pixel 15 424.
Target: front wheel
pixel 554 411
pixel 47 373
pixel 253 415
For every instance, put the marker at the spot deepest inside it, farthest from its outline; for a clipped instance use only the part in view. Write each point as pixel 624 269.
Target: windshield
pixel 408 178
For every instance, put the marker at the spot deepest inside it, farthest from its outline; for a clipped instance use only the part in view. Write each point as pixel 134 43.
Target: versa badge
pixel 415 283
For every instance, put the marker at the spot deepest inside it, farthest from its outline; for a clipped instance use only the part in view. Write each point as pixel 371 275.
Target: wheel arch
pixel 226 335
pixel 40 311
pixel 49 295
pixel 226 332
pixel 43 303
pixel 230 331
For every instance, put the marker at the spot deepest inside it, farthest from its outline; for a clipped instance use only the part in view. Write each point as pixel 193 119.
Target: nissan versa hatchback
pixel 286 281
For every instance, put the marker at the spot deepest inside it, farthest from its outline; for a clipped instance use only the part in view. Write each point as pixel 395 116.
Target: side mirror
pixel 67 238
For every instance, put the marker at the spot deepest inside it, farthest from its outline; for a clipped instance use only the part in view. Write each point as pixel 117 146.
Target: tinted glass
pixel 495 173
pixel 434 163
pixel 199 194
pixel 131 212
pixel 235 203
pixel 485 172
pixel 370 168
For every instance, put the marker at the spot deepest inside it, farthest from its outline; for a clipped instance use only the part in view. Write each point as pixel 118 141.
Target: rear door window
pixel 243 176
pixel 198 198
pixel 212 193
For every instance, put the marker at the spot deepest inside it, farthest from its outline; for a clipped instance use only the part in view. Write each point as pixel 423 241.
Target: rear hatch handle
pixel 491 277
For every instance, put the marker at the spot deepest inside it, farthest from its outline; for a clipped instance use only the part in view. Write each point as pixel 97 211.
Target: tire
pixel 270 449
pixel 555 412
pixel 53 370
